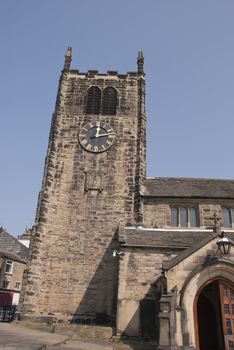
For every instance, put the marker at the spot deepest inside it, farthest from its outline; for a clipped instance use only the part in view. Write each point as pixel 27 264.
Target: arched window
pixel 93 102
pixel 109 101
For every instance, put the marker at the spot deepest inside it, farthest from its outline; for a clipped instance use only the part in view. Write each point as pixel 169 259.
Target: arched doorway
pixel 214 316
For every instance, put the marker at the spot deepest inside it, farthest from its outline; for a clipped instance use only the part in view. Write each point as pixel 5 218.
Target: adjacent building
pixel 13 256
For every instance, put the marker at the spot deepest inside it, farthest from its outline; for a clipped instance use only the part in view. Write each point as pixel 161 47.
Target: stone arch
pixel 192 286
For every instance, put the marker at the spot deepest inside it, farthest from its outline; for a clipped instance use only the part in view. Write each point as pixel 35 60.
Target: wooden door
pixel 227 310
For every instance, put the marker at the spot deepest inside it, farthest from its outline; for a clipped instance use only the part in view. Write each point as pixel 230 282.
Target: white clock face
pixel 96 136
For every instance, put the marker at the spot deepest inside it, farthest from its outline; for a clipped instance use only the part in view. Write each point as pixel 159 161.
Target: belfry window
pixel 93 103
pixel 183 217
pixel 109 101
pixel 228 217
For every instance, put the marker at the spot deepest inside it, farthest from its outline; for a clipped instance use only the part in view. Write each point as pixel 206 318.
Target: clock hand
pixel 97 132
pixel 105 134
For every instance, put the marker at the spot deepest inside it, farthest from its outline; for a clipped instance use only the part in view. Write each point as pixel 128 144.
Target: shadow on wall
pixel 98 305
pixel 144 323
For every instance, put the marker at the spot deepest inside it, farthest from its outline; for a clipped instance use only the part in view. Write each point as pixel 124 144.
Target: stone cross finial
pixel 140 62
pixel 216 220
pixel 68 58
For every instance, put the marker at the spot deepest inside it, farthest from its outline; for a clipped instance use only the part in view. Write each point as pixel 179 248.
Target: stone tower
pixel 94 166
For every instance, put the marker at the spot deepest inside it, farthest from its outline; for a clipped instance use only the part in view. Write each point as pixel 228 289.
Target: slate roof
pixel 11 256
pixel 10 244
pixel 177 239
pixel 157 238
pixel 186 187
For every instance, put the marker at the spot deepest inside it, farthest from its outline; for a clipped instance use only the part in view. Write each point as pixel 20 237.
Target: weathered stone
pixel 76 217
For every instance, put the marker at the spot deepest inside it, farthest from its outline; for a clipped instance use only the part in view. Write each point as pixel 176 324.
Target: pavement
pixel 14 336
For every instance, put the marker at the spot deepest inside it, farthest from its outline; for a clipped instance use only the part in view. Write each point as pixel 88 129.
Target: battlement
pixel 97 74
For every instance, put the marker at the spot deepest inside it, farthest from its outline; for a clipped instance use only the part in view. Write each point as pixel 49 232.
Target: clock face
pixel 96 136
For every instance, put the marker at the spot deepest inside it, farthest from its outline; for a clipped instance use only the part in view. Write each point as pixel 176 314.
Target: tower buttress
pixel 141 140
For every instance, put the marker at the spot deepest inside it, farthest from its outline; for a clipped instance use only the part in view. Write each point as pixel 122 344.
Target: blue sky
pixel 189 63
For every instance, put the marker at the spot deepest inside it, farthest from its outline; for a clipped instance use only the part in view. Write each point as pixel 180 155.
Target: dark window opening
pixel 93 100
pixel 9 266
pixel 226 309
pixel 6 284
pixel 209 318
pixel 109 101
pixel 228 326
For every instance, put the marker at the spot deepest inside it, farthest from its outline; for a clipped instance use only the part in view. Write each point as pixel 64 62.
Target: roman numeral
pixel 83 142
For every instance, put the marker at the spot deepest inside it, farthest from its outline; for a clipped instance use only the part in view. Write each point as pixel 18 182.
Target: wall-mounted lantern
pixel 224 244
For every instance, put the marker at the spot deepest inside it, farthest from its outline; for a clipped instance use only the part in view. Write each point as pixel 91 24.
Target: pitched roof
pixel 11 256
pixel 158 238
pixel 135 236
pixel 10 244
pixel 186 187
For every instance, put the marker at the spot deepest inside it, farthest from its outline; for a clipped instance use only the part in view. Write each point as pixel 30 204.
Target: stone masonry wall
pixel 71 269
pixel 157 210
pixel 138 270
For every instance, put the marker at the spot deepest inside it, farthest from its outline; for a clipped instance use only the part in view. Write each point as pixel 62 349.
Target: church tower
pixel 94 166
